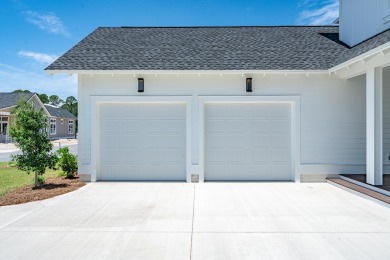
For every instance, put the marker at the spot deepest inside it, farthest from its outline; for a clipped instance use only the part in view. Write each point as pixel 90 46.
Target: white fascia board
pixel 361 57
pixel 5 113
pixel 187 72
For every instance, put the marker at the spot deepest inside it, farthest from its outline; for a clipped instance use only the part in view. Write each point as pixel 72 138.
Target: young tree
pixel 44 98
pixel 55 100
pixel 70 105
pixel 28 132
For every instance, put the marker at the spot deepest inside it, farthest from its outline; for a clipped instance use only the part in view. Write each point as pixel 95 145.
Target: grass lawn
pixel 11 177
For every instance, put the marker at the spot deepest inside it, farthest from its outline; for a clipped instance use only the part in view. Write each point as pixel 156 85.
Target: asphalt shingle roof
pixel 12 99
pixel 59 112
pixel 212 48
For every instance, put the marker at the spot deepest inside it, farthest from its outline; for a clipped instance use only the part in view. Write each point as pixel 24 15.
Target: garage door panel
pixel 231 111
pixel 261 140
pixel 128 126
pixel 260 110
pixel 261 126
pixel 280 170
pixel 113 141
pixel 280 110
pixel 280 126
pixel 248 141
pixel 262 155
pixel 174 155
pixel 129 155
pixel 148 145
pixel 230 155
pixel 280 155
pixel 229 140
pixel 175 126
pixel 280 140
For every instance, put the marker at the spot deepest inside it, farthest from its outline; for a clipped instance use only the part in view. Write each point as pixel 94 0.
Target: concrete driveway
pixel 197 221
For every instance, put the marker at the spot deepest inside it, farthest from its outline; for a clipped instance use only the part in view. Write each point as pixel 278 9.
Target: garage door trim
pixel 96 101
pixel 294 101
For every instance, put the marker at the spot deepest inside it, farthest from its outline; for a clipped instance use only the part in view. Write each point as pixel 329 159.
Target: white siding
pixel 386 116
pixel 332 112
pixel 362 19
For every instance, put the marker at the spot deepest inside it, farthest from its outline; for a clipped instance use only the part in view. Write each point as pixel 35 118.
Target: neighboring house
pixel 61 123
pixel 8 101
pixel 294 103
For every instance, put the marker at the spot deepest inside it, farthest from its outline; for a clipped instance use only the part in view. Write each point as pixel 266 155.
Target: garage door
pixel 246 142
pixel 142 142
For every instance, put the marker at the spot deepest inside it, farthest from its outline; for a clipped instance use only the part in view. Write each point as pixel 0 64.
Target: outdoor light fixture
pixel 140 85
pixel 248 84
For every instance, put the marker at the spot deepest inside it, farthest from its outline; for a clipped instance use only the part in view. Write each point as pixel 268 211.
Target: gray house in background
pixel 61 123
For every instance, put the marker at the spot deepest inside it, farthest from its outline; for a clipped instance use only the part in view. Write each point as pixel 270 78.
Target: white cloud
pixel 39 57
pixel 12 78
pixel 48 22
pixel 322 12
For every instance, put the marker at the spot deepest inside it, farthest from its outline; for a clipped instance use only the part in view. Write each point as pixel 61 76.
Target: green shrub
pixel 67 162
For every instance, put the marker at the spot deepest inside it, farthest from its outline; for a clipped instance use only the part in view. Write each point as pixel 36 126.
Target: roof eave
pixel 380 50
pixel 187 72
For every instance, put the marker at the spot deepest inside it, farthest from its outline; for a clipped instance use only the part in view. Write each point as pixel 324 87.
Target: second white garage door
pixel 248 142
pixel 142 141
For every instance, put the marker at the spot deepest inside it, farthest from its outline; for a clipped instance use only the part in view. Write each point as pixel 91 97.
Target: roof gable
pixel 212 48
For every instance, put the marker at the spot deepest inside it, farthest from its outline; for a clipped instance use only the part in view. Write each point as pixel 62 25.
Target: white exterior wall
pixel 386 118
pixel 362 19
pixel 332 118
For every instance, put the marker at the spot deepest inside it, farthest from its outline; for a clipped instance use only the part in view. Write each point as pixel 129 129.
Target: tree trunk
pixel 36 180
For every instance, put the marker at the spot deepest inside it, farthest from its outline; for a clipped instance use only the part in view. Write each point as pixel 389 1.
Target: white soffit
pixel 365 57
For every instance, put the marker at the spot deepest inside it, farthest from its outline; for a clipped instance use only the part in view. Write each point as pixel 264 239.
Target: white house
pixel 292 103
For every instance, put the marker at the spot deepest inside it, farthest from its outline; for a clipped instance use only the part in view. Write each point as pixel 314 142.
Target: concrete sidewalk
pixel 127 220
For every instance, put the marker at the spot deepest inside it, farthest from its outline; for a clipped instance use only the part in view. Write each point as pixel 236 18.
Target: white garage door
pixel 248 141
pixel 142 142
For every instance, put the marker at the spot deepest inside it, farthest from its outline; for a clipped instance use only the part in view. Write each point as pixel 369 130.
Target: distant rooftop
pixel 58 112
pixel 12 99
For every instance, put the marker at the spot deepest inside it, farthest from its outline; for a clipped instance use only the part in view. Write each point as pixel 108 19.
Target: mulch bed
pixel 52 187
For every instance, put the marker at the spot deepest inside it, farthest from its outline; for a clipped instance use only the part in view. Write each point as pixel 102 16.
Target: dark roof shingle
pixel 212 48
pixel 12 99
pixel 59 112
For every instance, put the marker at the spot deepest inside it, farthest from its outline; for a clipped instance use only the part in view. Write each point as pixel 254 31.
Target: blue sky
pixel 33 33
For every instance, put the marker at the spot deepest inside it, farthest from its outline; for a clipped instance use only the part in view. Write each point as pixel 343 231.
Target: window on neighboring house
pixel 3 125
pixel 70 127
pixel 62 121
pixel 47 125
pixel 53 126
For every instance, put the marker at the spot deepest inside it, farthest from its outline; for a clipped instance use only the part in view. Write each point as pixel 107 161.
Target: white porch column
pixel 374 126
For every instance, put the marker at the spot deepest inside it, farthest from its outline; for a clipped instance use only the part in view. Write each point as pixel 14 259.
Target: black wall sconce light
pixel 141 85
pixel 248 84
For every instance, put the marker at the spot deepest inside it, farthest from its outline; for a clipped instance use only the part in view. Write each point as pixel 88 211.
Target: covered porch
pixel 373 68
